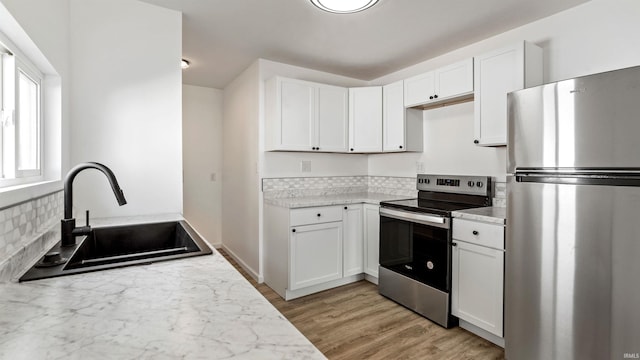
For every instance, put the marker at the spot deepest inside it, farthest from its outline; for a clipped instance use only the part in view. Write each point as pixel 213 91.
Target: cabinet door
pixel 365 119
pixel 478 286
pixel 297 115
pixel 333 122
pixel 393 117
pixel 454 80
pixel 417 89
pixel 497 73
pixel 372 239
pixel 353 241
pixel 315 254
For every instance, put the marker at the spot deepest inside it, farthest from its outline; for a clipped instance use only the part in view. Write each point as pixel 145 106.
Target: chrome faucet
pixel 68 224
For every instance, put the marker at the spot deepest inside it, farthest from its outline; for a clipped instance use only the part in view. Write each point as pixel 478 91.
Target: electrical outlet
pixel 419 167
pixel 305 166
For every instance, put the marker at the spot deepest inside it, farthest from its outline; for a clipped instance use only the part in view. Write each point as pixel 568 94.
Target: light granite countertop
pixel 490 214
pixel 193 308
pixel 337 199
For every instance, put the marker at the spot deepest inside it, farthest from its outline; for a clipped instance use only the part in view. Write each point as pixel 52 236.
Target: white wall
pixel 126 105
pixel 240 179
pixel 202 157
pixel 597 36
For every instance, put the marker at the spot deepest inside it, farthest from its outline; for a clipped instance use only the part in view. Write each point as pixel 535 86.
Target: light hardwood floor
pixel 355 322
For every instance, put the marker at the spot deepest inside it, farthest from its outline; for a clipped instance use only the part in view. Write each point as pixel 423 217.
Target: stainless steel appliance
pixel 573 219
pixel 415 242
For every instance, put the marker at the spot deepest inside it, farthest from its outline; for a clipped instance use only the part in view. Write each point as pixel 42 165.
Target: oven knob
pixel 471 183
pixel 429 265
pixel 419 181
pixel 479 184
pixel 426 181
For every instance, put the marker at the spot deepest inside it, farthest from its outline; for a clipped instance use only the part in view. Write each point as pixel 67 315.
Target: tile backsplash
pixel 27 229
pixel 292 187
pixel 500 194
pixel 333 185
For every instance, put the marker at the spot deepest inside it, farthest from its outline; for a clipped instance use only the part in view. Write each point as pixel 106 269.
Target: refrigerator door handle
pixel 581 177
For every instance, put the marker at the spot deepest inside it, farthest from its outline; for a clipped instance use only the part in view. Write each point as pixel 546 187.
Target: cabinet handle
pixel 476 141
pixel 435 96
pixel 475 232
pixel 431 97
pixel 345 208
pixel 293 230
pixel 400 146
pixel 351 149
pixel 319 214
pixel 318 148
pixel 454 244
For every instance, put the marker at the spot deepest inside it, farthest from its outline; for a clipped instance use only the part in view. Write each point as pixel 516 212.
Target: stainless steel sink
pixel 118 246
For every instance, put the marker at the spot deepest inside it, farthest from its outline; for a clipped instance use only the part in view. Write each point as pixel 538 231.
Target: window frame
pixel 10 81
pixel 36 77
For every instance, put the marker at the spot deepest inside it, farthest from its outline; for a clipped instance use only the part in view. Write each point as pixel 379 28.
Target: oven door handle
pixel 432 220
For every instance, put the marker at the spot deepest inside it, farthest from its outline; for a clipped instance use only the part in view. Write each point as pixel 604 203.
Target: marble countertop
pixel 337 199
pixel 491 214
pixel 194 308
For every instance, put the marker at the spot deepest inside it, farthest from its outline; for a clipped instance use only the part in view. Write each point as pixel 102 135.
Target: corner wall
pixel 240 179
pixel 202 160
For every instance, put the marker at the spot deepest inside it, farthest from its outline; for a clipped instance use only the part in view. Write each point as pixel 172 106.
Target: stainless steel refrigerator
pixel 572 266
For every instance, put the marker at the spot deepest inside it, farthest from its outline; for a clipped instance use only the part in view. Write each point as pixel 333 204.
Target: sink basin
pixel 117 246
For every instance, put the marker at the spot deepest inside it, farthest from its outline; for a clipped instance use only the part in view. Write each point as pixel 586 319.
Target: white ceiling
pixel 221 38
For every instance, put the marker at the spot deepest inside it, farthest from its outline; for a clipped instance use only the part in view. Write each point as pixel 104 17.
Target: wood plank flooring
pixel 355 322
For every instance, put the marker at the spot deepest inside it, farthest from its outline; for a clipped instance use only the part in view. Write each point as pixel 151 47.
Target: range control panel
pixel 472 185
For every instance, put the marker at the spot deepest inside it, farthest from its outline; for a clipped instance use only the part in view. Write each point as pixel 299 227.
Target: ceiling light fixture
pixel 344 6
pixel 185 64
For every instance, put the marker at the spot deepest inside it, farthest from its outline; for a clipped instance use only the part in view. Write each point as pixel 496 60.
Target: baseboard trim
pixel 290 295
pixel 243 265
pixel 482 333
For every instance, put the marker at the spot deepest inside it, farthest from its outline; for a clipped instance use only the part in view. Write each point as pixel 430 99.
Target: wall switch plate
pixel 419 167
pixel 305 166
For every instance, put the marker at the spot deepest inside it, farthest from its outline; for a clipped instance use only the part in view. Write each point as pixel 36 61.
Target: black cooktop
pixel 428 206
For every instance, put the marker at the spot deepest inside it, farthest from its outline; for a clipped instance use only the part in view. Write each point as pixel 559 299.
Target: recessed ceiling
pixel 221 38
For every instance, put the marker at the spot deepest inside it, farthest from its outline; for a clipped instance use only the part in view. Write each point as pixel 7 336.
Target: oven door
pixel 416 245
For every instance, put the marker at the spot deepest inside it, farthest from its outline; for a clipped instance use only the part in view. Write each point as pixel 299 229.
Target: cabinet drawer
pixel 479 233
pixel 315 215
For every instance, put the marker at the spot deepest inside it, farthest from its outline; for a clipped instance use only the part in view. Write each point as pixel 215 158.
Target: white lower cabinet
pixel 353 255
pixel 311 249
pixel 316 254
pixel 371 216
pixel 477 294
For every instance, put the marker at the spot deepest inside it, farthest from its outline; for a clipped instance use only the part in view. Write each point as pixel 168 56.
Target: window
pixel 21 120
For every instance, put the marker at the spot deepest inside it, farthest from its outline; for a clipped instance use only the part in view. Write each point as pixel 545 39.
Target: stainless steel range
pixel 415 242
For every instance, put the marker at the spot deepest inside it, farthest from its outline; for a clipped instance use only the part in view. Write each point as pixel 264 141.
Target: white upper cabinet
pixel 365 119
pixel 333 121
pixel 401 128
pixel 496 74
pixel 445 84
pixel 305 116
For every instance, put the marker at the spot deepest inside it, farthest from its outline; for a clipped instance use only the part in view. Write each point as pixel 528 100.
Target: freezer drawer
pixel 572 270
